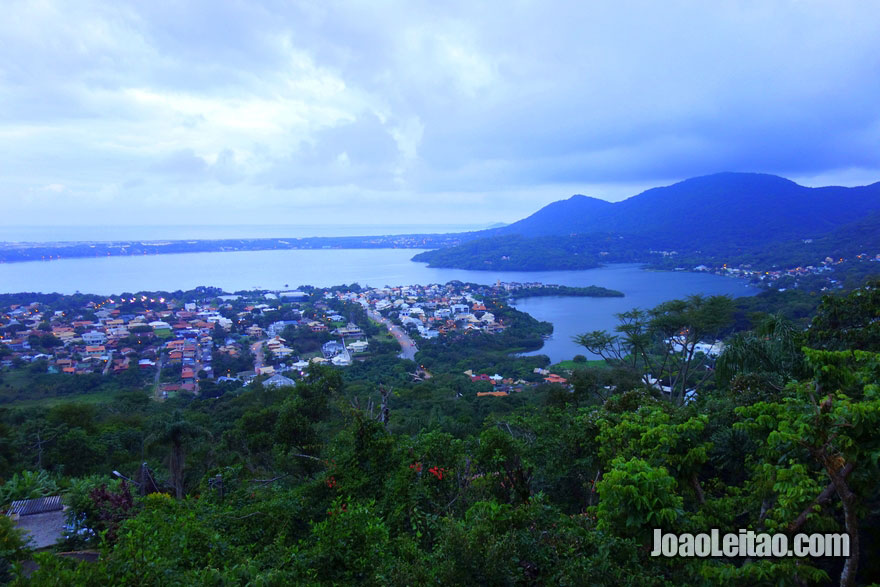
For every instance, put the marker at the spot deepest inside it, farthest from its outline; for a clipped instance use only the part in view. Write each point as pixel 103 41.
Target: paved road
pixel 257 351
pixel 408 348
pixel 156 379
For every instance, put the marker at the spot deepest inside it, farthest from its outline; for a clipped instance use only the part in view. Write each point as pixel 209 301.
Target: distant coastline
pixel 50 251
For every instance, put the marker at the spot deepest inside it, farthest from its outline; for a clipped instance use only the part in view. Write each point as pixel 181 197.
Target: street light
pixel 121 476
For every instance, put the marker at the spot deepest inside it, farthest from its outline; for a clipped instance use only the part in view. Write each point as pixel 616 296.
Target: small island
pixel 592 291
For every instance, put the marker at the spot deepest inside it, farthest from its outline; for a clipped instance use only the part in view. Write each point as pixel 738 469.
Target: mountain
pixel 574 215
pixel 741 209
pixel 846 242
pixel 721 216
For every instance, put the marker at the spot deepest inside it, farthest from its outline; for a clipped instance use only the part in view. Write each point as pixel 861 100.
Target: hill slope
pixel 723 215
pixel 742 209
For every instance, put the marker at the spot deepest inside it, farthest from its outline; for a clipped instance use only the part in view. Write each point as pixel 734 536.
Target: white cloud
pixel 358 109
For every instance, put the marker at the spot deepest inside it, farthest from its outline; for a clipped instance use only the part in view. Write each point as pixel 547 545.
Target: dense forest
pixel 368 476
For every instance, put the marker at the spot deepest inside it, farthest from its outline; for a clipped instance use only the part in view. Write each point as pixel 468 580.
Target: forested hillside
pixel 369 476
pixel 732 218
pixel 741 209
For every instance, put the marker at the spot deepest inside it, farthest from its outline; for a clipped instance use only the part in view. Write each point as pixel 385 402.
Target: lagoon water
pixel 374 267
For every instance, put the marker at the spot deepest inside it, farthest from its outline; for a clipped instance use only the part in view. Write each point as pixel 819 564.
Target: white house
pixel 278 380
pixel 358 346
pixel 460 309
pixel 94 338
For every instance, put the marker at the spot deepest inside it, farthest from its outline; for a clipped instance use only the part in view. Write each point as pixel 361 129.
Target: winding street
pixel 257 351
pixel 408 348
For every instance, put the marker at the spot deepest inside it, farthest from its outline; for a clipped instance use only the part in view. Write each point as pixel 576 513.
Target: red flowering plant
pixel 330 481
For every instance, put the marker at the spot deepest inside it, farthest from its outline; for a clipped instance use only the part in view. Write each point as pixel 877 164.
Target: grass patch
pixel 572 366
pixel 98 397
pixel 383 336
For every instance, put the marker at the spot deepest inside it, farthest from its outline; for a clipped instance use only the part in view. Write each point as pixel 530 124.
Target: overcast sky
pixel 418 112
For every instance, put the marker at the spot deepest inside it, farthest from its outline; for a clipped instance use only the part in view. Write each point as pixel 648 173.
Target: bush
pixel 12 547
pixel 27 485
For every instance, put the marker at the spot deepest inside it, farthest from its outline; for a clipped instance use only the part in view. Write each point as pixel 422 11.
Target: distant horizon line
pixel 117 225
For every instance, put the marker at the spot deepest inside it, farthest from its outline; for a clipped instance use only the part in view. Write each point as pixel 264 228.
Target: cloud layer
pixel 376 112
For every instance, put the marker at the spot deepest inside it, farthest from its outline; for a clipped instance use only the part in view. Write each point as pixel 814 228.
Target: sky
pixel 228 112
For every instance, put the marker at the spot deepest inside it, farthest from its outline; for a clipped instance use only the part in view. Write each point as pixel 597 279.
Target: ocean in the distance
pixel 43 234
pixel 283 269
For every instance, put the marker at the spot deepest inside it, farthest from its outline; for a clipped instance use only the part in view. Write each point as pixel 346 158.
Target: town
pixel 209 341
pixel 820 276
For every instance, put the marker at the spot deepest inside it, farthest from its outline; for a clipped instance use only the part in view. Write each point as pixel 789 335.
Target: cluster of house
pixel 504 386
pixel 109 336
pixel 277 360
pixel 192 351
pixel 430 310
pixel 770 278
pixel 110 340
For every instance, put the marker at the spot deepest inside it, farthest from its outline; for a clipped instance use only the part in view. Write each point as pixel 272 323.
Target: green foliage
pixel 817 433
pixel 27 485
pixel 13 547
pixel 670 440
pixel 83 518
pixel 848 322
pixel 661 343
pixel 546 486
pixel 636 498
pixel 772 350
pixel 483 353
pixel 513 253
pixel 352 546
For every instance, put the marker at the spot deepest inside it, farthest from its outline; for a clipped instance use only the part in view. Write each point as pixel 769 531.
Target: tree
pixel 13 547
pixel 821 440
pixel 662 343
pixel 771 351
pixel 174 435
pixel 352 546
pixel 851 322
pixel 660 436
pixel 635 498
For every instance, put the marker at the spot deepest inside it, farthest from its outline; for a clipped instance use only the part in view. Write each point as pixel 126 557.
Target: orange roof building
pixel 553 378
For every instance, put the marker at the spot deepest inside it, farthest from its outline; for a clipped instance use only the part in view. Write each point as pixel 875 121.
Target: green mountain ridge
pixel 726 214
pixel 739 206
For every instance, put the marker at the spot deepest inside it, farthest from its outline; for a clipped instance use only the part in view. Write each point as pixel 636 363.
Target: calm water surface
pixel 643 289
pixel 373 267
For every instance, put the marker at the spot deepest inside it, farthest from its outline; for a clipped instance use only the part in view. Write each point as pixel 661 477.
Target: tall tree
pixel 662 342
pixel 822 435
pixel 848 322
pixel 175 434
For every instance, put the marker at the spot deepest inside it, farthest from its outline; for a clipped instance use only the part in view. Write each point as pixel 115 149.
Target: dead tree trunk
pixel 385 411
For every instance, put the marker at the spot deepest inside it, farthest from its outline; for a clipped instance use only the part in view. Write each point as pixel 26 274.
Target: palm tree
pixel 772 350
pixel 175 434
